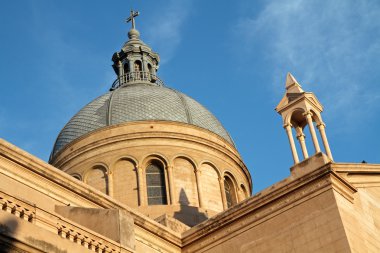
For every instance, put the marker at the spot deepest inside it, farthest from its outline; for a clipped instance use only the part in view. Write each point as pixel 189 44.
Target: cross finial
pixel 132 18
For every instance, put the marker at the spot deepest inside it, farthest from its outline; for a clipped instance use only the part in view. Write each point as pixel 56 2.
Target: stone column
pixel 312 131
pixel 141 190
pixel 143 64
pixel 321 128
pixel 224 200
pixel 199 190
pixel 110 183
pixel 301 139
pixel 171 184
pixel 288 129
pixel 131 74
pixel 121 70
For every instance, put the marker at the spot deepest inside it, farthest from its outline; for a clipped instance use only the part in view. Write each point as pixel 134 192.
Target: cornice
pixel 359 174
pixel 304 96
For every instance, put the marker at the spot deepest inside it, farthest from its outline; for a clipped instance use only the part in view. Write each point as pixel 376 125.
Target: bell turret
pixel 298 110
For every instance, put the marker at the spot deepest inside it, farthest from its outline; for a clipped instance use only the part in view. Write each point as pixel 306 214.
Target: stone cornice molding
pixel 359 174
pixel 305 96
pixel 223 143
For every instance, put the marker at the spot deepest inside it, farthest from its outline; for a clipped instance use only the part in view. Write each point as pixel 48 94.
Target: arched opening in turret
pixel 155 183
pixel 150 69
pixel 126 68
pixel 137 66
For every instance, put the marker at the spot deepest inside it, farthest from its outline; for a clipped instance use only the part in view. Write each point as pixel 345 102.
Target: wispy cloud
pixel 333 44
pixel 165 35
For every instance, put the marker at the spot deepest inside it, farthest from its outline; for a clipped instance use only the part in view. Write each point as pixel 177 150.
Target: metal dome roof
pixel 138 102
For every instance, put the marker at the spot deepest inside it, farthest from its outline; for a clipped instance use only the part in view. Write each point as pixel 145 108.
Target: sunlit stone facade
pixel 195 164
pixel 145 168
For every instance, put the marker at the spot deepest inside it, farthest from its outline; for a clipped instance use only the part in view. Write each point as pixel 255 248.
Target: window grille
pixel 227 190
pixel 155 182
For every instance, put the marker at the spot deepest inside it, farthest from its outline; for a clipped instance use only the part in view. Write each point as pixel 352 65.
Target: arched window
pixel 155 184
pixel 76 176
pixel 229 190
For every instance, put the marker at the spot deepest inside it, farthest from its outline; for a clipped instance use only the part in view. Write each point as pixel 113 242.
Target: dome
pixel 138 102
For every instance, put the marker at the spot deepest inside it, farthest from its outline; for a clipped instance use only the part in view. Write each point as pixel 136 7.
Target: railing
pixel 88 239
pixel 17 207
pixel 61 226
pixel 134 77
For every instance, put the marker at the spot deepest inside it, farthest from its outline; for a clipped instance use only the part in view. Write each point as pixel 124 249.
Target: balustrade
pixel 64 228
pixel 135 77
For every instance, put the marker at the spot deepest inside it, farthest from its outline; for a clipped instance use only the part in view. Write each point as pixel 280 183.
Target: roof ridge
pixel 109 111
pixel 185 105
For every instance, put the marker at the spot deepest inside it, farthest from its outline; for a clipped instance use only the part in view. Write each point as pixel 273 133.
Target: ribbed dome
pixel 138 102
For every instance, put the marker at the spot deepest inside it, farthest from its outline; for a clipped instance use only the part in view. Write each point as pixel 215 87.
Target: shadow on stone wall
pixel 8 228
pixel 189 215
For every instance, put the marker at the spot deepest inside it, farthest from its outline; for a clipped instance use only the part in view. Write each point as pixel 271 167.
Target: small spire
pixel 292 85
pixel 133 33
pixel 132 18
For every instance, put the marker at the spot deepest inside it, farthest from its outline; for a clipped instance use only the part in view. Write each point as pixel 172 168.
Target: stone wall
pixel 194 160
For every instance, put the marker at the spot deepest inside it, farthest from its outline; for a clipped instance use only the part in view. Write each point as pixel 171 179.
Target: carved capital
pixel 307 114
pixel 301 137
pixel 321 125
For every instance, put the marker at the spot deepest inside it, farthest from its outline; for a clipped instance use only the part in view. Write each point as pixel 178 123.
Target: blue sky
pixel 232 57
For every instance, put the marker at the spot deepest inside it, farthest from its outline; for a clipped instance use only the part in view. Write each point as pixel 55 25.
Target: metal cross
pixel 132 18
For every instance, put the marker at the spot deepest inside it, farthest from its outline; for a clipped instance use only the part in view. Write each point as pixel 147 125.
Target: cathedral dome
pixel 138 102
pixel 151 147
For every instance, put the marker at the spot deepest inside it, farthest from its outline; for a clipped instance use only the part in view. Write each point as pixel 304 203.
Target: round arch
pixel 157 157
pixel 316 116
pixel 186 157
pixel 95 165
pixel 97 177
pixel 124 158
pixel 213 166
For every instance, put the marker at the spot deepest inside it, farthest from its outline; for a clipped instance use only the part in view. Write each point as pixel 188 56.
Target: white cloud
pixel 333 47
pixel 165 34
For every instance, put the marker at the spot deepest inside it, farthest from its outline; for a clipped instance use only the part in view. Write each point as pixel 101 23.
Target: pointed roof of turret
pixel 295 92
pixel 291 84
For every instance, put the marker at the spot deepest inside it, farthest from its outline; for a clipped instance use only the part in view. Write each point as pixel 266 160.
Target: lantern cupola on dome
pixel 136 62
